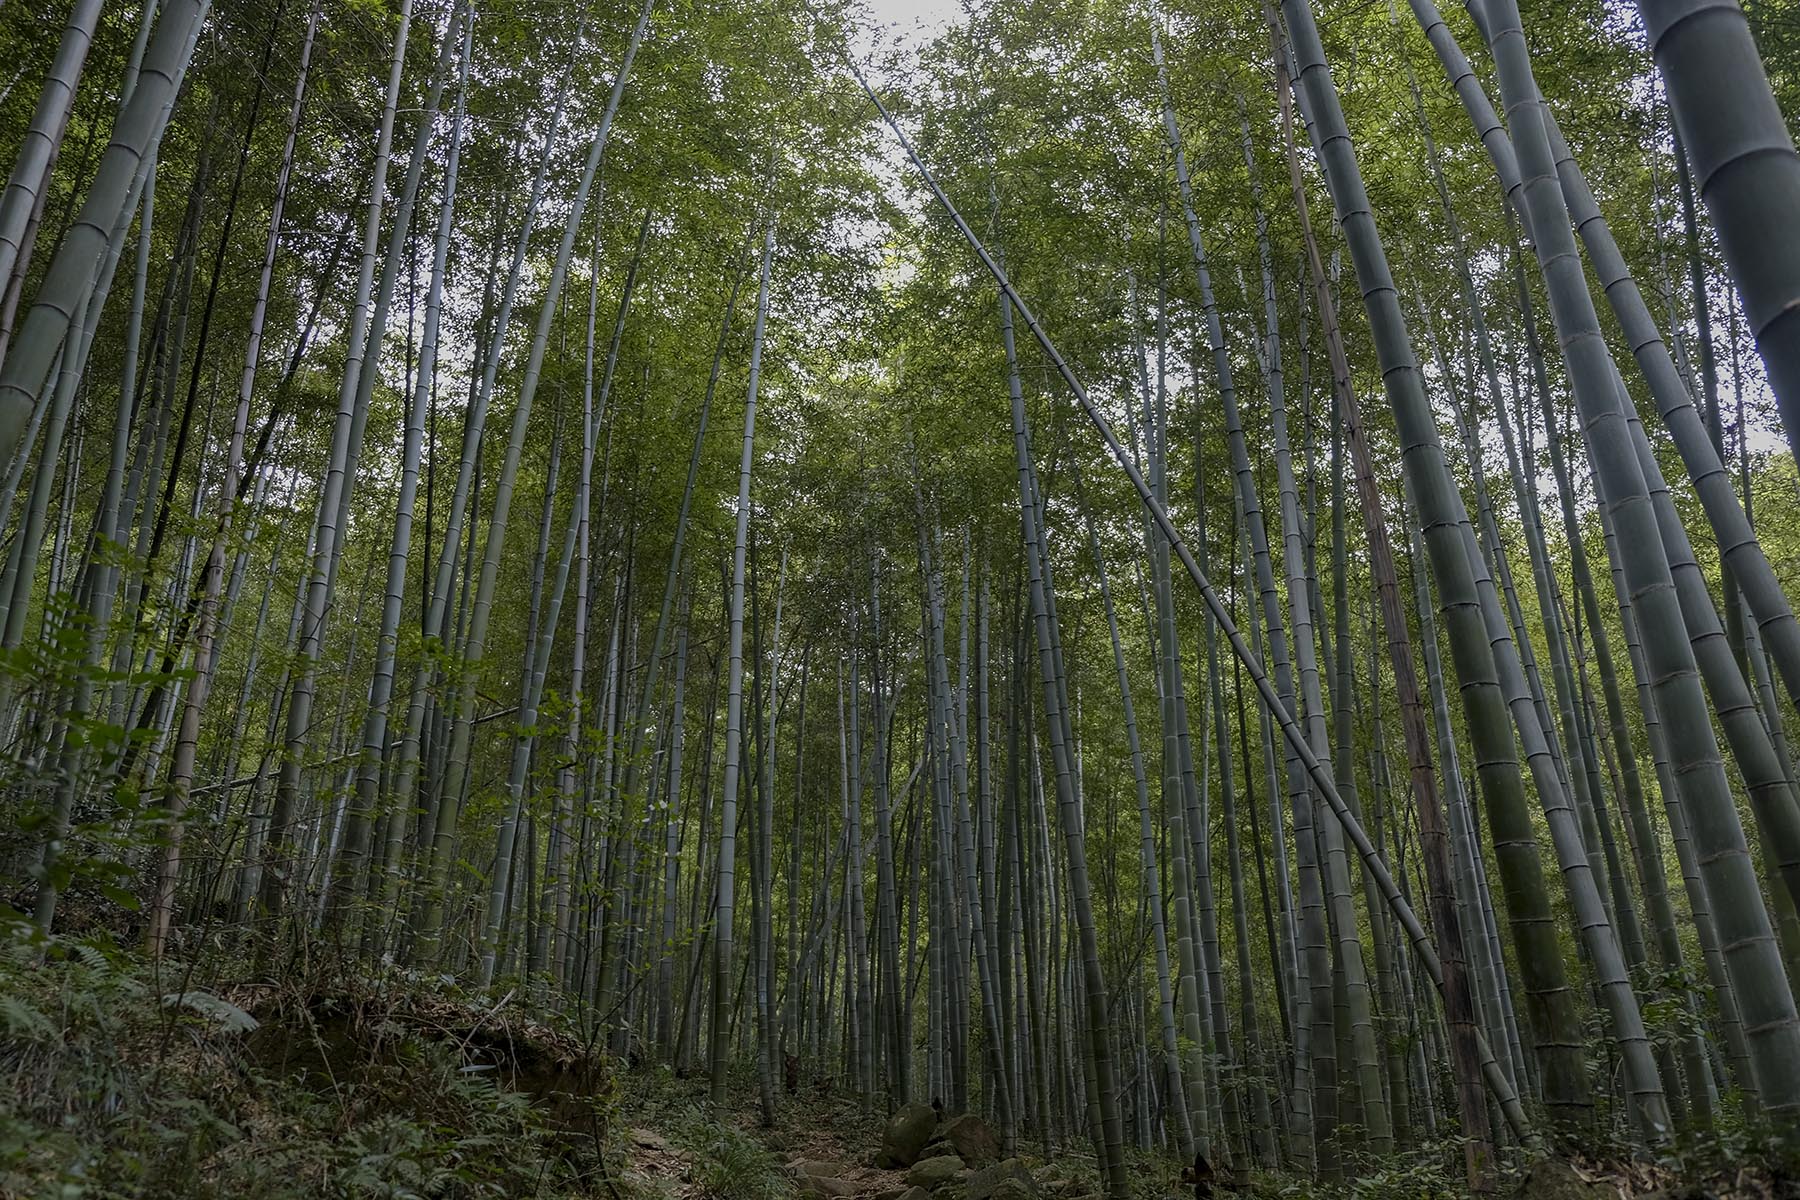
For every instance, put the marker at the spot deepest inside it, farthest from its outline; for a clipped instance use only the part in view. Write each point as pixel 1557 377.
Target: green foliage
pixel 1740 1140
pixel 1432 1170
pixel 106 1092
pixel 727 1163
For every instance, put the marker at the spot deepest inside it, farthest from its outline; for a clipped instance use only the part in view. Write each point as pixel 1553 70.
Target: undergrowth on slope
pixel 111 1086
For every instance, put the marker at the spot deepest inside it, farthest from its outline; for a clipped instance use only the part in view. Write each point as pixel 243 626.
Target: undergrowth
pixel 111 1087
pixel 117 1082
pixel 726 1163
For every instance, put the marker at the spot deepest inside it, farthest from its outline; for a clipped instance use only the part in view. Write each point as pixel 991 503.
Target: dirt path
pixel 824 1146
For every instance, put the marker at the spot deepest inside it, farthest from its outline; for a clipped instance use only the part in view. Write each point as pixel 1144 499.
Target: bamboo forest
pixel 900 599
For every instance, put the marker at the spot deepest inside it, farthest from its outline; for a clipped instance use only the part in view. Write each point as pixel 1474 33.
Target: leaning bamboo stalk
pixel 1746 167
pixel 1321 778
pixel 27 184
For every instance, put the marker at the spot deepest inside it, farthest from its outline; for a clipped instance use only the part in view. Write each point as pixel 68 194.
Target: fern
pixel 24 1022
pixel 729 1164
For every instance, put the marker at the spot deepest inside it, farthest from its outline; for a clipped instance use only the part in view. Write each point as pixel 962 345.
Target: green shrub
pixel 728 1164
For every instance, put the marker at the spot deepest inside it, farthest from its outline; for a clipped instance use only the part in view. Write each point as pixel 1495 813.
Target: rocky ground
pixel 914 1156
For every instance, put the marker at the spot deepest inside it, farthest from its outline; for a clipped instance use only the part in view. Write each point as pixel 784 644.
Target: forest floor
pixel 823 1145
pixel 672 1156
pixel 121 1079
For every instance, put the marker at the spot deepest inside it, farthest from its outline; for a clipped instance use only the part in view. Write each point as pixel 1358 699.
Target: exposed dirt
pixel 332 1036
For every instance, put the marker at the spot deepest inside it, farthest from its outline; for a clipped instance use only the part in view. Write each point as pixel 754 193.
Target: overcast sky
pixel 911 21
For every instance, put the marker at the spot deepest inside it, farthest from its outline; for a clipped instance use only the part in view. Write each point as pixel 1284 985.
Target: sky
pixel 909 24
pixel 910 21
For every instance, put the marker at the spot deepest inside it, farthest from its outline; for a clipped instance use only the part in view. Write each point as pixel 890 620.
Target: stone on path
pixel 971 1138
pixel 934 1172
pixel 1006 1180
pixel 905 1135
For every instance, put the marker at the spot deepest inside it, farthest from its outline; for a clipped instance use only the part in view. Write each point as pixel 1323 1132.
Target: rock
pixel 649 1139
pixel 1005 1180
pixel 827 1188
pixel 971 1138
pixel 934 1172
pixel 905 1135
pixel 915 1193
pixel 816 1169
